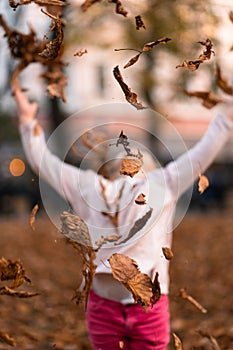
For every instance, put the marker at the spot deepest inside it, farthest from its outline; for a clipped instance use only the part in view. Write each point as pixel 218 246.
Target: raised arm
pixel 181 173
pixel 64 178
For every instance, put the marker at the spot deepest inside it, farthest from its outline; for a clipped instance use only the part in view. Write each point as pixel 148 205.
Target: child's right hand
pixel 26 110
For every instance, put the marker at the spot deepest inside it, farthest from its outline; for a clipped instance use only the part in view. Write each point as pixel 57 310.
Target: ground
pixel 202 264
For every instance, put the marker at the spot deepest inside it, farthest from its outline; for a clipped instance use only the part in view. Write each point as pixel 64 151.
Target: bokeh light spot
pixel 17 167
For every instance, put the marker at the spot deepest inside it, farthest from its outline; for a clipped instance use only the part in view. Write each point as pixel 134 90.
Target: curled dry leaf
pixel 152 44
pixel 138 225
pixel 213 341
pixel 177 342
pixel 52 48
pixel 88 3
pixel 140 200
pixel 209 99
pixel 12 270
pixel 131 165
pixel 19 294
pixel 192 65
pixel 130 96
pixel 119 8
pixel 32 217
pixel 139 22
pixel 132 60
pixel 126 271
pixel 103 240
pixel 77 233
pixel 14 4
pixel 81 52
pixel 203 183
pixel 184 295
pixel 7 339
pixel 167 252
pixel 222 83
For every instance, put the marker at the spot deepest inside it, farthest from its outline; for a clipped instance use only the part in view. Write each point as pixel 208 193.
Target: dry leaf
pixel 213 341
pixel 152 44
pixel 53 47
pixel 19 294
pixel 209 99
pixel 14 4
pixel 167 252
pixel 132 61
pixel 183 294
pixel 177 342
pixel 126 271
pixel 5 338
pixel 88 3
pixel 131 165
pixel 203 183
pixel 139 22
pixel 77 233
pixel 103 240
pixel 32 217
pixel 81 52
pixel 222 83
pixel 12 270
pixel 119 8
pixel 231 16
pixel 192 65
pixel 140 200
pixel 138 225
pixel 130 96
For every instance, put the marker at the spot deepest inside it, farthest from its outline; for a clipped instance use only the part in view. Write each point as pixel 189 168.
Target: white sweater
pixel 162 187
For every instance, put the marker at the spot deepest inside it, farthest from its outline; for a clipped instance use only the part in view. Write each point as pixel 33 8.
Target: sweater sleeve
pixel 63 177
pixel 181 173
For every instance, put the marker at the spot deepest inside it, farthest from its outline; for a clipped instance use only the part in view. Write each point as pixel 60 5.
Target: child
pixel 113 319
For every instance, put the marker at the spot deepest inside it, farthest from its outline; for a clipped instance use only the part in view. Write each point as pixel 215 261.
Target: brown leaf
pixel 209 99
pixel 177 342
pixel 231 16
pixel 156 291
pixel 5 338
pixel 203 183
pixel 103 240
pixel 14 4
pixel 32 217
pixel 130 96
pixel 126 271
pixel 140 200
pixel 19 294
pixel 222 83
pixel 167 252
pixel 88 3
pixel 192 65
pixel 139 22
pixel 81 52
pixel 132 61
pixel 184 295
pixel 138 225
pixel 52 48
pixel 77 233
pixel 150 45
pixel 12 270
pixel 131 165
pixel 206 54
pixel 119 8
pixel 213 341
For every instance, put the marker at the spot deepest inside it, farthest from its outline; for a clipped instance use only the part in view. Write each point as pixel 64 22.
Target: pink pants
pixel 113 326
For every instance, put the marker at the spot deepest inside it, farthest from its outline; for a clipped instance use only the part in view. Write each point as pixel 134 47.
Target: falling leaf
pixel 177 342
pixel 103 240
pixel 130 96
pixel 52 48
pixel 209 99
pixel 140 200
pixel 206 54
pixel 12 270
pixel 119 8
pixel 132 61
pixel 167 252
pixel 123 140
pixel 131 165
pixel 56 80
pixel 192 65
pixel 77 233
pixel 138 225
pixel 152 44
pixel 32 217
pixel 139 22
pixel 203 183
pixel 184 295
pixel 14 293
pixel 5 338
pixel 126 271
pixel 213 341
pixel 222 83
pixel 81 52
pixel 88 3
pixel 231 16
